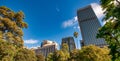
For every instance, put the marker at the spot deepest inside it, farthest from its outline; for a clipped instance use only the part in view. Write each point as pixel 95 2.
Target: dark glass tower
pixel 89 25
pixel 70 42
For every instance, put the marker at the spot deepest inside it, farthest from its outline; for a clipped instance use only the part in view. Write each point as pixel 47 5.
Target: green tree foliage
pixel 11 42
pixel 65 50
pixel 40 57
pixel 111 30
pixel 75 34
pixel 7 51
pixel 112 38
pixel 60 55
pixel 112 9
pixel 24 54
pixel 74 55
pixel 93 53
pixel 64 47
pixel 87 53
pixel 50 57
pixel 57 56
pixel 11 24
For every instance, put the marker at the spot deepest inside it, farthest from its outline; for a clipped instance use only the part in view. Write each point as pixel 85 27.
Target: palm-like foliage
pixel 76 35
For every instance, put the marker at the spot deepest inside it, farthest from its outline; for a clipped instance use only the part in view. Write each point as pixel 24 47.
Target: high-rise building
pixel 89 24
pixel 46 48
pixel 70 42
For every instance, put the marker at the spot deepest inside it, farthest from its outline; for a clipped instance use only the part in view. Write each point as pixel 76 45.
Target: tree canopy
pixel 111 30
pixel 11 41
pixel 40 57
pixel 75 34
pixel 74 55
pixel 11 24
pixel 94 53
pixel 24 54
pixel 7 51
pixel 60 55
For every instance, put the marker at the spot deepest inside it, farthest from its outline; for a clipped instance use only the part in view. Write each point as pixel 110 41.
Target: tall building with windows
pixel 70 42
pixel 89 24
pixel 46 48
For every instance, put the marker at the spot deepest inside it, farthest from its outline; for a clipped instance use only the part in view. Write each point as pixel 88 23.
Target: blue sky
pixel 48 19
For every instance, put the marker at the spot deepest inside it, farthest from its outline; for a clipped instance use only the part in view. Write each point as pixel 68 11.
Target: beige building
pixel 46 48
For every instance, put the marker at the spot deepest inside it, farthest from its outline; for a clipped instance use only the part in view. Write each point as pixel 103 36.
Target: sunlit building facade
pixel 46 48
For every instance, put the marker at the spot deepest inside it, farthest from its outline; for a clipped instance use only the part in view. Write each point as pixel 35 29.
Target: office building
pixel 70 42
pixel 89 24
pixel 46 48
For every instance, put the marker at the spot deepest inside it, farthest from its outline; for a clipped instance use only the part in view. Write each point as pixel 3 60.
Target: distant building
pixel 70 42
pixel 46 48
pixel 89 25
pixel 82 42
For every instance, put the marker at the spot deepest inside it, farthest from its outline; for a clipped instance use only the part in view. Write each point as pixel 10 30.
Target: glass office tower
pixel 89 25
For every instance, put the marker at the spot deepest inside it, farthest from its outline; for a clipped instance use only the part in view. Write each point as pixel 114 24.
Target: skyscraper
pixel 70 42
pixel 89 25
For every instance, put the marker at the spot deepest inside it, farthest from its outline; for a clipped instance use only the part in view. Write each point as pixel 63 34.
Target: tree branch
pixel 118 2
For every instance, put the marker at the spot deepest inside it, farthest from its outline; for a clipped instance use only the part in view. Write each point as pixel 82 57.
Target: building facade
pixel 89 25
pixel 46 48
pixel 70 42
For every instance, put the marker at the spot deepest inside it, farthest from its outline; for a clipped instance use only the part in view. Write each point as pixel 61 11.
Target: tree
pixel 7 51
pixel 93 53
pixel 65 50
pixel 40 57
pixel 11 24
pixel 111 30
pixel 50 57
pixel 60 55
pixel 112 38
pixel 57 56
pixel 76 35
pixel 74 55
pixel 24 54
pixel 11 42
pixel 64 47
